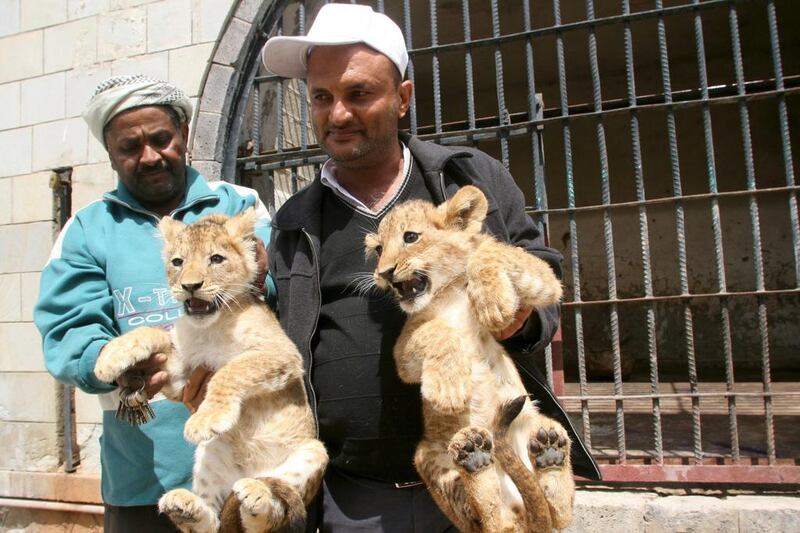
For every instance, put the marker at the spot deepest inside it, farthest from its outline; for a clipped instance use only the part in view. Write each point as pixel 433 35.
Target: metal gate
pixel 653 142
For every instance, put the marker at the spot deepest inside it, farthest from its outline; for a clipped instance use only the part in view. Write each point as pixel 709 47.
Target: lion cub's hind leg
pixel 549 452
pixel 259 505
pixel 464 483
pixel 275 500
pixel 188 512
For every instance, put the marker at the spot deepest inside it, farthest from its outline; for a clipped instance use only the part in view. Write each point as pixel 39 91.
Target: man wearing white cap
pixel 105 277
pixel 354 62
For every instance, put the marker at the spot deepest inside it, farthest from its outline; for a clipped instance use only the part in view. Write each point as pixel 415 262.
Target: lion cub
pixel 254 430
pixel 491 461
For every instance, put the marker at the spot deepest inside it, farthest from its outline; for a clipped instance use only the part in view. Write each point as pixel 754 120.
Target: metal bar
pixel 502 111
pixel 680 227
pixel 581 25
pixel 786 147
pixel 644 232
pixel 679 395
pixel 573 226
pixel 412 110
pixel 747 147
pixel 534 113
pixel 301 30
pixel 608 228
pixel 684 198
pixel 468 65
pixel 786 143
pixel 255 131
pixel 557 364
pixel 553 353
pixel 738 474
pixel 437 84
pixel 716 226
pixel 684 297
pixel 280 106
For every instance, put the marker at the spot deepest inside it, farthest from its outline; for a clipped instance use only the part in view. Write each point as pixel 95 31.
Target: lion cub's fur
pixel 491 461
pixel 255 430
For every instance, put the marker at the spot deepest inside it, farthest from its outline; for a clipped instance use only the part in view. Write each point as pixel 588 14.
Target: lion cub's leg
pixel 464 482
pixel 123 352
pixel 446 366
pixel 276 499
pixel 248 374
pixel 548 447
pixel 188 512
pixel 303 468
pixel 503 279
pixel 264 504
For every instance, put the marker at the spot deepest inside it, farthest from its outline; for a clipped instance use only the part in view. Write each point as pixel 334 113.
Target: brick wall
pixel 52 54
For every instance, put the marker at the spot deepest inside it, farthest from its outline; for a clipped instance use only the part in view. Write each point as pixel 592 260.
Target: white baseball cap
pixel 336 24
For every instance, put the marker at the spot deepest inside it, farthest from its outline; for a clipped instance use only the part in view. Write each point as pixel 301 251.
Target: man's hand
pixel 195 390
pixel 519 321
pixel 149 370
pixel 261 259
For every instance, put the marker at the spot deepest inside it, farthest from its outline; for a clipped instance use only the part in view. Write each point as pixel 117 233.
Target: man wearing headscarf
pixel 105 277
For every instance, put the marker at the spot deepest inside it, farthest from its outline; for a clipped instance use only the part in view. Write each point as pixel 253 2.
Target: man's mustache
pixel 154 169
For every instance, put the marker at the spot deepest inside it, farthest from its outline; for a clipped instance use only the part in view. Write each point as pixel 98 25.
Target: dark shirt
pixel 369 420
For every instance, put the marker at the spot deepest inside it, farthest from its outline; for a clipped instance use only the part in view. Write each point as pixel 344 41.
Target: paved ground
pixel 648 512
pixel 596 511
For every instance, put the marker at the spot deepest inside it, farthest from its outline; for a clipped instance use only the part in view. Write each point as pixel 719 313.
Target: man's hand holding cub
pixel 135 359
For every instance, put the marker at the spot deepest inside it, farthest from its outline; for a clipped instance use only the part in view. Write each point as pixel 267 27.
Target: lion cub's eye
pixel 216 259
pixel 379 250
pixel 177 262
pixel 410 237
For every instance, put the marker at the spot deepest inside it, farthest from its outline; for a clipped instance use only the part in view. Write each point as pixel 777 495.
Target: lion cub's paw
pixel 257 500
pixel 549 447
pixel 116 357
pixel 269 504
pixel 471 449
pixel 188 511
pixel 210 421
pixel 495 308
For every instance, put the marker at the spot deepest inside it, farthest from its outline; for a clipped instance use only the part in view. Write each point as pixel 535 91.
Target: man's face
pixel 356 100
pixel 148 152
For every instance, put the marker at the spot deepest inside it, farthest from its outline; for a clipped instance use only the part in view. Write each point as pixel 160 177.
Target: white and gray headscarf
pixel 120 93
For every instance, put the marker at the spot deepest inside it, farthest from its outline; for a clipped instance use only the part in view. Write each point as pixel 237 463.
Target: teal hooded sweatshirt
pixel 105 277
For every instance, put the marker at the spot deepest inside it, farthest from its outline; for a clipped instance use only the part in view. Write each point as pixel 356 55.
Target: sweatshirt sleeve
pixel 74 312
pixel 538 331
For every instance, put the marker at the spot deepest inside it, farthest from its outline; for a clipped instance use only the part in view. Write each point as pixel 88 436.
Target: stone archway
pixel 228 76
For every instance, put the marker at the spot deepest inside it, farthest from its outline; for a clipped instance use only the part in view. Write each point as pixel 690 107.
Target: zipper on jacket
pixel 313 330
pixel 441 185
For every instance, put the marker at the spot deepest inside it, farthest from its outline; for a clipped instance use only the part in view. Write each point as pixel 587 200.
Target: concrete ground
pixel 612 510
pixel 596 511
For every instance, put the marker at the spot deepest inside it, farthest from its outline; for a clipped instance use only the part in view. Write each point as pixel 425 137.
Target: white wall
pixel 52 54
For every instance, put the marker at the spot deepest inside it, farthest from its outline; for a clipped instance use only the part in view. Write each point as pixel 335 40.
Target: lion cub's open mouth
pixel 196 306
pixel 412 288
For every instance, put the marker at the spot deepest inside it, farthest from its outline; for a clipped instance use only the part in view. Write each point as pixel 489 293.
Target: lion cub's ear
pixel 465 210
pixel 243 225
pixel 170 228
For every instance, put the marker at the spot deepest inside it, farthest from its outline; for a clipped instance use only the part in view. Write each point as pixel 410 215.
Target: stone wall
pixel 52 54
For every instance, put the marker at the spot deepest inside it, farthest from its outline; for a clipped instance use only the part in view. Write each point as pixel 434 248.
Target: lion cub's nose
pixel 191 287
pixel 388 274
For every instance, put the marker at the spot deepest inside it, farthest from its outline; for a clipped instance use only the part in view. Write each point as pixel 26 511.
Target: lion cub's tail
pixel 537 511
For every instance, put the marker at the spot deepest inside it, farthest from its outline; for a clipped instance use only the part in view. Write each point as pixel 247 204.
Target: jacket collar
pixel 303 208
pixel 197 190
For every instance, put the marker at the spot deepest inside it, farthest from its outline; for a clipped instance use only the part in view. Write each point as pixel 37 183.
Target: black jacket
pixel 294 250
